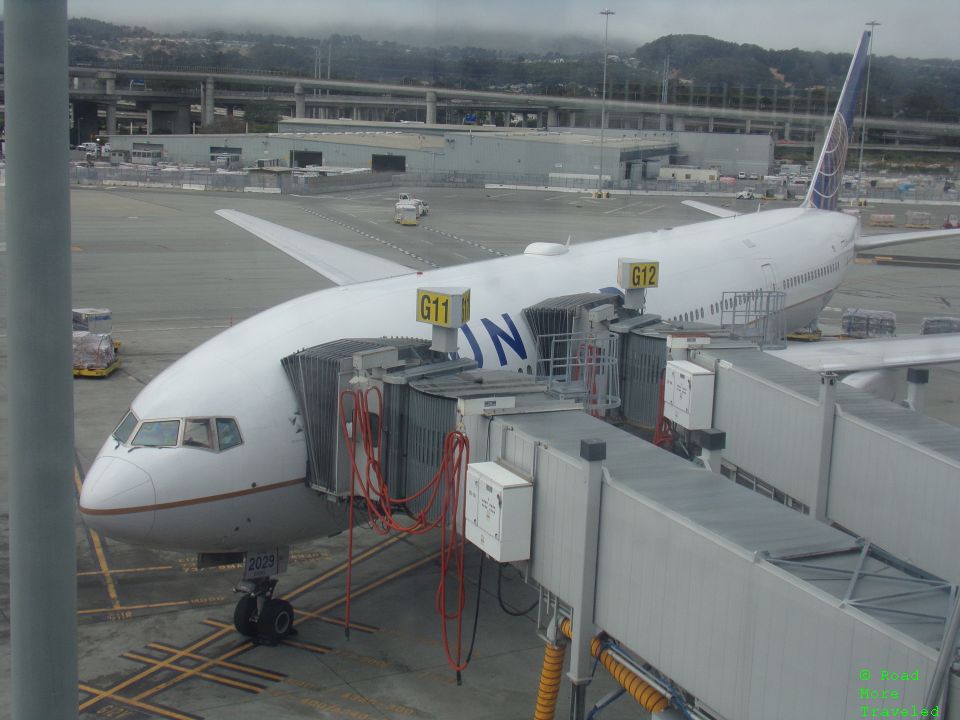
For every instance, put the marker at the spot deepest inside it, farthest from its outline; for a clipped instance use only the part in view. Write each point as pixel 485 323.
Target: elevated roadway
pixel 360 100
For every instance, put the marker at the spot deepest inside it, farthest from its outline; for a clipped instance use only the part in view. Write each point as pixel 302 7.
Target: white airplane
pixel 207 458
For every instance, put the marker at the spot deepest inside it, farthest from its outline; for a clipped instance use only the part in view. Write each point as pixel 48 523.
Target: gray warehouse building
pixel 500 153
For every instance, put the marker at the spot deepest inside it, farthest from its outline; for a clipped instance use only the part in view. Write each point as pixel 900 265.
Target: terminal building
pixel 554 156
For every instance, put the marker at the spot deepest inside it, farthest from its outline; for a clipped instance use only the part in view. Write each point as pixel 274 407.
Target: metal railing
pixel 583 366
pixel 756 316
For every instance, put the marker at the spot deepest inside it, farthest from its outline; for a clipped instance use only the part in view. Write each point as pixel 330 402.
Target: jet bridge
pixel 731 605
pixel 747 609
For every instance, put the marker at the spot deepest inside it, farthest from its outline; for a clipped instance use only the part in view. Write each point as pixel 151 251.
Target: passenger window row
pixel 715 308
pixel 814 274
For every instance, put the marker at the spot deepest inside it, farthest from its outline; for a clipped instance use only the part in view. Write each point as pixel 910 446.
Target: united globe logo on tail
pixel 828 177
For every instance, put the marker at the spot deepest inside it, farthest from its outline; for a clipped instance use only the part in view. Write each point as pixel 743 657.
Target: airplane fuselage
pixel 252 495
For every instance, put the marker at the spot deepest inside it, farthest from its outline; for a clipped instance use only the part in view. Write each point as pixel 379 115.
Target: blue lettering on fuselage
pixel 510 336
pixel 513 339
pixel 498 336
pixel 474 345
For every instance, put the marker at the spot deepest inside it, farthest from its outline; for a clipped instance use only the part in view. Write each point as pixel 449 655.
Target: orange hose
pixel 550 681
pixel 649 697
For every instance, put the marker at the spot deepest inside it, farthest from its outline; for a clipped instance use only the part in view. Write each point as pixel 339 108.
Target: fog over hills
pixel 927 29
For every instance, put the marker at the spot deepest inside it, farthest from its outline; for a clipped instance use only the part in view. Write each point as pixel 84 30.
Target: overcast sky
pixel 921 28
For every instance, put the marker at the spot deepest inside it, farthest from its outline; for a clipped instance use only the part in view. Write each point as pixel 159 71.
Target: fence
pixel 206 179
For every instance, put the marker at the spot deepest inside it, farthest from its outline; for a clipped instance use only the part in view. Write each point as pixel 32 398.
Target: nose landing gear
pixel 261 617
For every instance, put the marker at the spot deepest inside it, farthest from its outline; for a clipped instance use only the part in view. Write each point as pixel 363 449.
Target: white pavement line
pixel 372 237
pixel 623 207
pixel 494 197
pixel 644 212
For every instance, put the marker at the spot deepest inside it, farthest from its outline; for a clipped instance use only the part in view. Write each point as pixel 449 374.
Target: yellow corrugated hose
pixel 550 681
pixel 644 693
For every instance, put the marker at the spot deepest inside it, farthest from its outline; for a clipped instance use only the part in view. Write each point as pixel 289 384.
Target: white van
pixel 88 147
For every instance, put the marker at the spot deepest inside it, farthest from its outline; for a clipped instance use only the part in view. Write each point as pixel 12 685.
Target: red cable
pixel 662 433
pixel 450 477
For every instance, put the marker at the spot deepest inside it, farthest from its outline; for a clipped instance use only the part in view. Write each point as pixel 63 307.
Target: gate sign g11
pixel 444 307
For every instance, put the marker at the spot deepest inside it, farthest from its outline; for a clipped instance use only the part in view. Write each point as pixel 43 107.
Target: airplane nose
pixel 118 499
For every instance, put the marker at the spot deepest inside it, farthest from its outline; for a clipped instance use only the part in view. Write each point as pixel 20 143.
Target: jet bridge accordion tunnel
pixel 424 394
pixel 589 351
pixel 421 389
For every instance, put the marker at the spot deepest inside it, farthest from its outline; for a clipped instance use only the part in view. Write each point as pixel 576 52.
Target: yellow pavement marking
pixel 239 684
pixel 238 667
pixel 98 551
pixel 319 649
pixel 144 606
pixel 162 712
pixel 155 568
pixel 225 631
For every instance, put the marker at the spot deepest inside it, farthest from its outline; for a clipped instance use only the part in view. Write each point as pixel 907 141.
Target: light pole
pixel 866 94
pixel 603 102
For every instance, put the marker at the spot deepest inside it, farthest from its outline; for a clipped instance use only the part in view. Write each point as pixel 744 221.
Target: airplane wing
pixel 342 265
pixel 875 241
pixel 873 354
pixel 712 209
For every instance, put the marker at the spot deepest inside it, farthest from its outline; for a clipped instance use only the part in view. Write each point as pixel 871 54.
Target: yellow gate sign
pixel 444 307
pixel 635 275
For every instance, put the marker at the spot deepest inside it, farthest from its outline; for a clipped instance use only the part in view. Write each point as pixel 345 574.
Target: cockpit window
pixel 126 426
pixel 158 433
pixel 196 433
pixel 228 433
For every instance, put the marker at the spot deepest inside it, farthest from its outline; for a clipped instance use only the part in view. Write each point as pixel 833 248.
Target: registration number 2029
pixel 264 564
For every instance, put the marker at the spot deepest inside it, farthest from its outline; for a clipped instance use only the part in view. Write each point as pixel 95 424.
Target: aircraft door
pixel 769 276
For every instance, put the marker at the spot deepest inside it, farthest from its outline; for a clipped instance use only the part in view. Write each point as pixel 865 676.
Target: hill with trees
pixel 701 68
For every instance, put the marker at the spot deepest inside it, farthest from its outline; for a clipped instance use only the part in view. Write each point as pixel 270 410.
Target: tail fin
pixel 827 179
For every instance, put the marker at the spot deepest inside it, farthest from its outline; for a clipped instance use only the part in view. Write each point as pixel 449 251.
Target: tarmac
pixel 156 636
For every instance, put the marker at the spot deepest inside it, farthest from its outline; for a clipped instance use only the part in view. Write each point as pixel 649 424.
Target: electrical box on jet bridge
pixel 499 511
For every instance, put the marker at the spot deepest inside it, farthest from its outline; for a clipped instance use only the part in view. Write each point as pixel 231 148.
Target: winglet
pixel 828 177
pixel 712 209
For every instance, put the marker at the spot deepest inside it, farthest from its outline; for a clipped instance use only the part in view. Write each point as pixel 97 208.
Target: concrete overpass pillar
pixel 787 128
pixel 747 125
pixel 551 117
pixel 710 124
pixel 109 80
pixel 431 107
pixel 111 118
pixel 573 119
pixel 207 103
pixel 300 101
pixel 679 124
pixel 639 121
